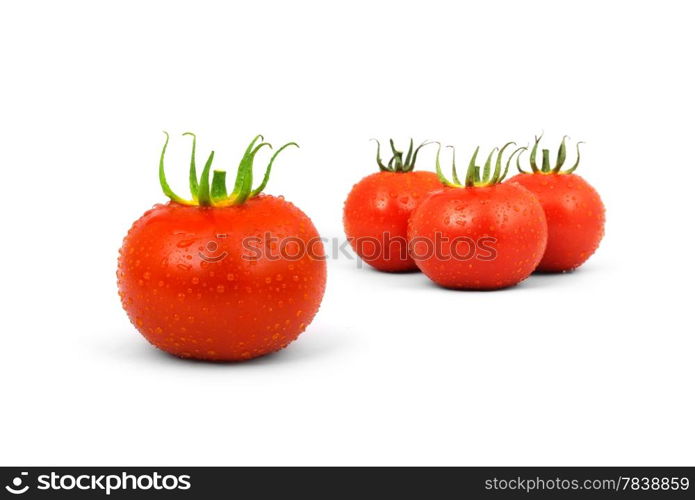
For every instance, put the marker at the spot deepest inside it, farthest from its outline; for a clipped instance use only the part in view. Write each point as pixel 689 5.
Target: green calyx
pixel 545 165
pixel 477 176
pixel 397 163
pixel 206 193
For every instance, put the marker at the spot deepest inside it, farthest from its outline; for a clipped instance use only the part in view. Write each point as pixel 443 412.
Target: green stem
pixel 506 169
pixel 215 194
pixel 260 188
pixel 242 189
pixel 382 167
pixel 397 163
pixel 576 164
pixel 486 169
pixel 204 198
pixel 545 167
pixel 163 180
pixel 438 168
pixel 534 167
pixel 411 165
pixel 471 172
pixel 241 169
pixel 397 158
pixel 477 176
pixel 409 155
pixel 546 161
pixel 496 177
pixel 561 155
pixel 218 191
pixel 454 173
pixel 192 175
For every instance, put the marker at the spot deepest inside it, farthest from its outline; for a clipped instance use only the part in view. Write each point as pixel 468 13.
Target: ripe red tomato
pixel 479 234
pixel 377 209
pixel 227 281
pixel 573 208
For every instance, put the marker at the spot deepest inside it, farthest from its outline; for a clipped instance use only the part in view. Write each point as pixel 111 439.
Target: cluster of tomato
pixel 548 219
pixel 190 285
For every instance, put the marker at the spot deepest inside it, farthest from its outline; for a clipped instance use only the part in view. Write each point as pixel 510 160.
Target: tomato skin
pixel 191 303
pixel 380 205
pixel 575 214
pixel 506 212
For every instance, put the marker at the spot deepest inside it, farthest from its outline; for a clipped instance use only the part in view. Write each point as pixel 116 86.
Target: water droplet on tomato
pixel 185 243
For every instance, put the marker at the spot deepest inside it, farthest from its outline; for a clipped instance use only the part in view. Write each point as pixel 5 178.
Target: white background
pixel 589 368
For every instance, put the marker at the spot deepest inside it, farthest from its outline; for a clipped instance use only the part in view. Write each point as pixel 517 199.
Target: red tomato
pixel 478 235
pixel 377 209
pixel 574 210
pixel 225 283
